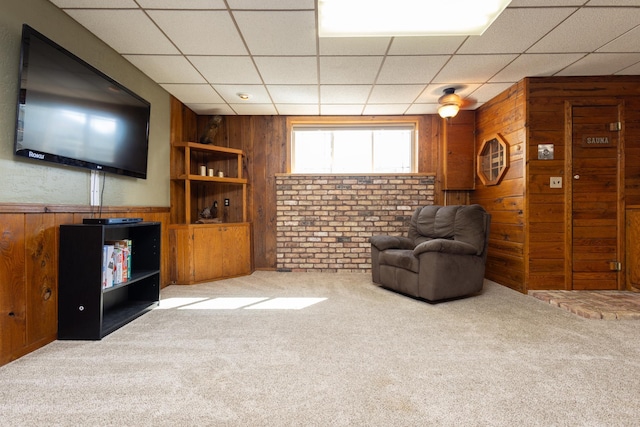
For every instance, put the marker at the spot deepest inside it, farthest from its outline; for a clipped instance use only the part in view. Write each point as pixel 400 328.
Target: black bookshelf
pixel 86 311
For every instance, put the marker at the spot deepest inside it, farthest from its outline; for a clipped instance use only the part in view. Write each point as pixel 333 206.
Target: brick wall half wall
pixel 324 221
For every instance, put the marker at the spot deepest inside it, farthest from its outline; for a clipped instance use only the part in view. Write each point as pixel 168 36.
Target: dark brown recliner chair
pixel 442 257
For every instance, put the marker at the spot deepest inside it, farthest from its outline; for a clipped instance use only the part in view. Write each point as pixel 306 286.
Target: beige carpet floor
pixel 326 349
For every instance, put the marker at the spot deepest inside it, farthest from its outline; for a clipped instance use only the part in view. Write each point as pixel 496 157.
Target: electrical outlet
pixel 226 202
pixel 555 182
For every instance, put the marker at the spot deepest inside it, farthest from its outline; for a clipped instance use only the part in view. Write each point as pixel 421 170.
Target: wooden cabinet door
pixel 210 252
pixel 236 259
pixel 207 253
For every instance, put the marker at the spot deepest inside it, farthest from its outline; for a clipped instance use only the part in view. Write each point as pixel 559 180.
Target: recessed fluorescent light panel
pixel 391 18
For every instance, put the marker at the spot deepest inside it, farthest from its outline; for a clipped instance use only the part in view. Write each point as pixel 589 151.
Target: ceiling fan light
pixel 450 98
pixel 448 111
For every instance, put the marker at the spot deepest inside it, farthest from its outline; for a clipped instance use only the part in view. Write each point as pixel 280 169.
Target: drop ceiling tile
pixel 385 109
pixel 344 94
pixel 613 3
pixel 627 42
pixel 126 31
pixel 193 94
pixel 488 91
pixel 423 109
pixel 395 94
pixel 535 65
pixel 211 109
pixel 166 68
pixel 516 30
pixel 271 4
pixel 410 69
pixel 257 93
pixel 341 110
pixel 226 69
pixel 577 33
pixel 278 32
pixel 191 4
pixel 96 4
pixel 353 45
pixel 288 69
pixel 597 64
pixel 254 109
pixel 632 70
pixel 546 3
pixel 294 94
pixel 484 67
pixel 200 32
pixel 425 45
pixel 298 109
pixel 349 69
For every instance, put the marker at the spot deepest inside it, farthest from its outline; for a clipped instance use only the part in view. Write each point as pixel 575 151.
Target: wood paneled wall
pixel 29 236
pixel 528 248
pixel 504 115
pixel 264 140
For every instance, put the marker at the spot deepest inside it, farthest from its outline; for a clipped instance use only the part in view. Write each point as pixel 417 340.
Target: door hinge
pixel 615 266
pixel 615 126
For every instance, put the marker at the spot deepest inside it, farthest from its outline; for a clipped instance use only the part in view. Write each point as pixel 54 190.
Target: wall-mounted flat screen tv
pixel 71 113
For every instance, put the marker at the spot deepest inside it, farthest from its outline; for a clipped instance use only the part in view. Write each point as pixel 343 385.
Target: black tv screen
pixel 71 113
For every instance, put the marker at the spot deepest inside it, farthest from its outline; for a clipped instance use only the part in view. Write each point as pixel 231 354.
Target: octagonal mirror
pixel 493 160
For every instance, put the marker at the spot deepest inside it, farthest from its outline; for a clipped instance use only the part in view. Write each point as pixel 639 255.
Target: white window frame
pixel 357 123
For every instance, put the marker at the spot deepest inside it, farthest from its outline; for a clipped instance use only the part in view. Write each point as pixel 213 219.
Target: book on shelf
pixel 129 251
pixel 116 262
pixel 107 266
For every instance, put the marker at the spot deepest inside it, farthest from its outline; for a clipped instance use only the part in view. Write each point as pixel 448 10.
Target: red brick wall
pixel 324 222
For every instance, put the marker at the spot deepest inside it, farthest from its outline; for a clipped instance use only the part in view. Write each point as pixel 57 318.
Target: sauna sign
pixel 596 141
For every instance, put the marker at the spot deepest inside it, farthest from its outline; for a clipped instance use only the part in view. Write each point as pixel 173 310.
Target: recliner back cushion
pixel 434 222
pixel 470 226
pixel 459 222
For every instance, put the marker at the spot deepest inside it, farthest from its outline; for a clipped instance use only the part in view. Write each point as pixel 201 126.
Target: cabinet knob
pixel 576 176
pixel 81 308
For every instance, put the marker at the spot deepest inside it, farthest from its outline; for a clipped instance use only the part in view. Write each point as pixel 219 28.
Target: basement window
pixel 493 161
pixel 353 148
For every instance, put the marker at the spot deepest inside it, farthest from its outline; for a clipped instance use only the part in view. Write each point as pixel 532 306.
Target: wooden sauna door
pixel 596 199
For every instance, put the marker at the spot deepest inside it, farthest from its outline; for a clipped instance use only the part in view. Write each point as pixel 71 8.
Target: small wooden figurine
pixel 210 131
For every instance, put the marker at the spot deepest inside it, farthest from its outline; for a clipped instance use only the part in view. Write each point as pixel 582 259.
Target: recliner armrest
pixel 445 245
pixel 391 242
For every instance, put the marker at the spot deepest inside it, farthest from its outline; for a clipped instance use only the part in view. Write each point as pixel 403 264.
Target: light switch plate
pixel 555 182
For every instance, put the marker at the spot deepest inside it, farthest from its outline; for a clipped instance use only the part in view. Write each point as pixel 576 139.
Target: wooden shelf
pixel 232 152
pixel 192 192
pixel 221 180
